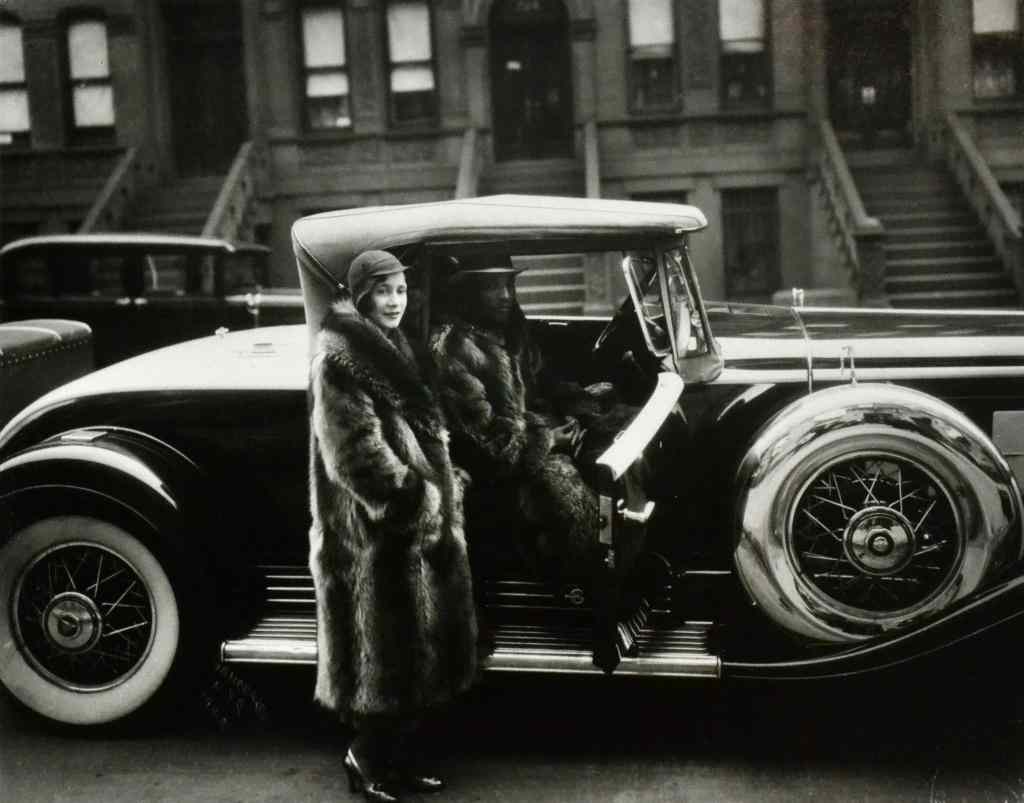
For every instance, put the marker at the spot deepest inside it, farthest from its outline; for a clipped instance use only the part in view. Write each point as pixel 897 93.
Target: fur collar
pixel 386 368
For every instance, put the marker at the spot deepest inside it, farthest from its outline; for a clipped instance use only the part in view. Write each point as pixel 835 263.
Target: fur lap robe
pixel 396 631
pixel 504 442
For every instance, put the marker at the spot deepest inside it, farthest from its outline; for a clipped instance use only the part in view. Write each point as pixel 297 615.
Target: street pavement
pixel 253 736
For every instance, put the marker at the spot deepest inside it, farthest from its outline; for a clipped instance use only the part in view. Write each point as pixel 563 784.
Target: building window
pixel 15 123
pixel 325 68
pixel 998 49
pixel 92 93
pixel 652 55
pixel 746 67
pixel 410 57
pixel 750 226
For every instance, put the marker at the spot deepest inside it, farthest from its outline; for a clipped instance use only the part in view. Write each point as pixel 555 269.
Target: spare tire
pixel 863 509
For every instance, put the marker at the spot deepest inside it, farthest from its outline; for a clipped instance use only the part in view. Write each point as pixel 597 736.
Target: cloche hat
pixel 366 267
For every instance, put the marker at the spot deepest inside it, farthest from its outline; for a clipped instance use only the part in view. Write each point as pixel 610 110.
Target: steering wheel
pixel 612 328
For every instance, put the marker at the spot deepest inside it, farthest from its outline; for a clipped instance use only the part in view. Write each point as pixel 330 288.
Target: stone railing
pixel 468 180
pixel 858 235
pixel 591 159
pixel 132 171
pixel 1001 221
pixel 228 218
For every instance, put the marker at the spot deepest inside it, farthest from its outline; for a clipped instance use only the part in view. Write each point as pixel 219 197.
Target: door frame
pixel 563 29
pixel 165 134
pixel 833 8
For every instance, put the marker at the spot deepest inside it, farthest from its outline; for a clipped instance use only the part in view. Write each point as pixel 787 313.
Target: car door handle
pixel 636 516
pixel 140 302
pixel 123 301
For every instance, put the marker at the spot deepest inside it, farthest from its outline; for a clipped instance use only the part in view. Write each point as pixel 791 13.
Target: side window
pixel 176 275
pixel 998 49
pixel 243 272
pixel 89 81
pixel 325 68
pixel 411 63
pixel 652 55
pixel 745 61
pixel 27 275
pixel 15 123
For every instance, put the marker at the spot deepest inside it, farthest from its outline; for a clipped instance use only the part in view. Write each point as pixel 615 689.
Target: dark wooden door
pixel 206 73
pixel 531 80
pixel 869 71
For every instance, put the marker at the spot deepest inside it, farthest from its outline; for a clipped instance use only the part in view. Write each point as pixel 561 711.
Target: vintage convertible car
pixel 803 493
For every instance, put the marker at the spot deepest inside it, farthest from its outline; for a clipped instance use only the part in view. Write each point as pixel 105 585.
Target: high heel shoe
pixel 422 782
pixel 359 782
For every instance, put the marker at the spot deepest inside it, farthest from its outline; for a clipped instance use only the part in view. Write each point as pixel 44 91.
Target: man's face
pixel 496 295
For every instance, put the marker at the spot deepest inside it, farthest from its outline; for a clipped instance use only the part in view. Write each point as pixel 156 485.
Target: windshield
pixel 688 329
pixel 641 270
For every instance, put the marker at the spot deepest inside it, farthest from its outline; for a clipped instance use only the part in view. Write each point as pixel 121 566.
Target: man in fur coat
pixel 529 502
pixel 396 630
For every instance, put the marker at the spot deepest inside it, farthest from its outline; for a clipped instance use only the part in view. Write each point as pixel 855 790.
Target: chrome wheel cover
pixel 83 616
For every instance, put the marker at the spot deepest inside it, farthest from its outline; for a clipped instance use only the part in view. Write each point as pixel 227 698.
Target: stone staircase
pixel 550 285
pixel 936 252
pixel 180 206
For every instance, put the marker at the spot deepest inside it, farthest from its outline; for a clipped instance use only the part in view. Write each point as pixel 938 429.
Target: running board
pixel 679 651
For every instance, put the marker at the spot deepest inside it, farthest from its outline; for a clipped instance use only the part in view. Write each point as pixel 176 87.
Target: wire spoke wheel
pixel 89 621
pixel 84 616
pixel 876 533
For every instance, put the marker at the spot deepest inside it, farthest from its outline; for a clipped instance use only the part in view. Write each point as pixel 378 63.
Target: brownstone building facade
pixel 776 117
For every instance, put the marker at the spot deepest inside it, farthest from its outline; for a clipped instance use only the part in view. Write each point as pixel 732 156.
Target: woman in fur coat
pixel 396 632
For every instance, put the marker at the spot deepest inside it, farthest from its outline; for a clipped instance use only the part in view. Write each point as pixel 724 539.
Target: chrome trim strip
pixel 743 376
pixel 632 441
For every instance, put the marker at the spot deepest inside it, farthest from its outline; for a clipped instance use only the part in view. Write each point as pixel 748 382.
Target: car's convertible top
pixel 326 243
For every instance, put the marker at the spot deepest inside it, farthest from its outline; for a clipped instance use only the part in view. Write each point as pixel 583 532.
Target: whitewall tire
pixel 89 622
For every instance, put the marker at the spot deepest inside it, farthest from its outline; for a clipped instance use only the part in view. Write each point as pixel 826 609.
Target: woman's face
pixel 387 301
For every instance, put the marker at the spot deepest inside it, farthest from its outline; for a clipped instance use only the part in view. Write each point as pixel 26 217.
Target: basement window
pixel 750 235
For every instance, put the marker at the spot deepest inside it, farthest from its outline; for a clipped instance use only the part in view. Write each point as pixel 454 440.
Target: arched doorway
pixel 531 79
pixel 869 71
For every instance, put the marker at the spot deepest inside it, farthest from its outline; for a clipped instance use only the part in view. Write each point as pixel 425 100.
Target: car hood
pixel 267 358
pixel 782 344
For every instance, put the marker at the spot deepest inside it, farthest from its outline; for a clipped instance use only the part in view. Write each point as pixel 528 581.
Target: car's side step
pixel 679 651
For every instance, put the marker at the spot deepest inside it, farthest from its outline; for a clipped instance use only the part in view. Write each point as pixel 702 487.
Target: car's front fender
pixel 112 466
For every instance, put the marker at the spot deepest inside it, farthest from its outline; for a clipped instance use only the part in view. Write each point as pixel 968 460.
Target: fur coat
pixel 500 422
pixel 396 631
